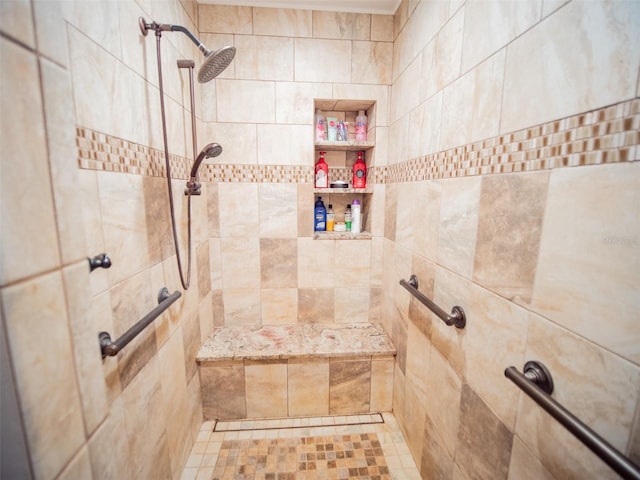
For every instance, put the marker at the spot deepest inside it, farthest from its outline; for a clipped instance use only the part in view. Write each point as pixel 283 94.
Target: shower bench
pixel 296 370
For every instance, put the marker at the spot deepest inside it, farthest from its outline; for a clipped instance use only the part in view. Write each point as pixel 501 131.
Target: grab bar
pixel 538 384
pixel 457 316
pixel 109 348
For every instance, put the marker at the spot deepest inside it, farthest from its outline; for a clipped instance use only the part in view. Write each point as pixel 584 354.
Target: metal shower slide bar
pixel 537 383
pixel 457 316
pixel 111 349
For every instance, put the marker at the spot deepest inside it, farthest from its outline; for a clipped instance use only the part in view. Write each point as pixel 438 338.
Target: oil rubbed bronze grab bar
pixel 109 348
pixel 457 316
pixel 537 383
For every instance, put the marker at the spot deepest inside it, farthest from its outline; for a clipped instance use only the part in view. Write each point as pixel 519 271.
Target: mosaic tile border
pixel 606 135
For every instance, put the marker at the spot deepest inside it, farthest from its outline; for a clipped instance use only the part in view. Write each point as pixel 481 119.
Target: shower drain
pixel 298 422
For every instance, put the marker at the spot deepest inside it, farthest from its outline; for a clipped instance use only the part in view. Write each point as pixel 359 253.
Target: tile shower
pixel 505 177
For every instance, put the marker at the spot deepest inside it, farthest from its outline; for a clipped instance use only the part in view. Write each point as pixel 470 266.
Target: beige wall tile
pixel 510 220
pixel 551 69
pixel 371 62
pixel 436 461
pixel 79 467
pixel 239 143
pixel 223 391
pixel 38 306
pixel 83 327
pixel 173 383
pixel 109 438
pixel 471 105
pixel 305 210
pixel 425 223
pixel 279 306
pixel 32 246
pixel 322 60
pixel 495 338
pixel 442 58
pixel 17 21
pixel 266 386
pixel 224 19
pixel 278 212
pixel 610 387
pixel 349 386
pixel 206 316
pixel 285 145
pixel 278 263
pixel 294 101
pixel 316 263
pixel 403 92
pixel 58 108
pixel 484 443
pixel 125 228
pixel 414 411
pixel 524 465
pixel 282 22
pixel 382 370
pixel 239 215
pixel 405 214
pixel 458 224
pixel 241 306
pixel 352 263
pixel 352 304
pixel 418 354
pixel 240 262
pixel 264 58
pixel 588 261
pixel 489 26
pixel 442 407
pixel 316 305
pixel 246 101
pixel 341 25
pixel 308 387
pixel 382 28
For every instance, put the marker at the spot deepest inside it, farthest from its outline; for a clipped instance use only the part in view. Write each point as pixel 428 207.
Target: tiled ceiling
pixel 383 7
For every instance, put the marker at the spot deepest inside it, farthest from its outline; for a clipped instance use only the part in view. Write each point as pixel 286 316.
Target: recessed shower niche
pixel 341 155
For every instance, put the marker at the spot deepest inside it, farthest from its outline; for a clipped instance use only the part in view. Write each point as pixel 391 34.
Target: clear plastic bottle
pixel 361 127
pixel 321 126
pixel 347 218
pixel 356 217
pixel 330 218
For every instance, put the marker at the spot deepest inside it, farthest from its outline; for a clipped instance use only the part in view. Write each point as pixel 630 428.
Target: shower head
pixel 210 151
pixel 214 62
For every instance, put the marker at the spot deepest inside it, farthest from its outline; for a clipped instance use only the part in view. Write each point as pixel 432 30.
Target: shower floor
pixel 368 446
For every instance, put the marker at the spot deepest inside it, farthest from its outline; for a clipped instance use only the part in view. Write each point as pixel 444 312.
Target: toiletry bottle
pixel 322 172
pixel 347 218
pixel 361 127
pixel 320 213
pixel 356 217
pixel 332 128
pixel 359 172
pixel 321 130
pixel 330 218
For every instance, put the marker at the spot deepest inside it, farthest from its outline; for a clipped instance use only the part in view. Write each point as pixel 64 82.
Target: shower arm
pixel 165 27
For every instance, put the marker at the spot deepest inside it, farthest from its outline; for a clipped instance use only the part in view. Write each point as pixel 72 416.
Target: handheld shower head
pixel 214 62
pixel 210 151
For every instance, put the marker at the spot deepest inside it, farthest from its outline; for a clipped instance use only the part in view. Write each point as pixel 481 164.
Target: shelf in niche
pixel 349 146
pixel 341 236
pixel 352 191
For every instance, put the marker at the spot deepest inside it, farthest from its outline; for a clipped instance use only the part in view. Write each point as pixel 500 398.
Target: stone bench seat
pixel 296 370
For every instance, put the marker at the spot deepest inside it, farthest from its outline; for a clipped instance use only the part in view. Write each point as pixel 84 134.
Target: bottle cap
pixel 356 202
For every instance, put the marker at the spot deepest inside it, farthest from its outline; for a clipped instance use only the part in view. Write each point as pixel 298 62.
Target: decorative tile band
pixel 606 135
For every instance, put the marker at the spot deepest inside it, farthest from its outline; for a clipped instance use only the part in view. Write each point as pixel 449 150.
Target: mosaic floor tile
pixel 354 456
pixel 334 447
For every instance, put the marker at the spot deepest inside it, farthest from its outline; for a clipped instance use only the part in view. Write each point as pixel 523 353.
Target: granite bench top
pixel 295 341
